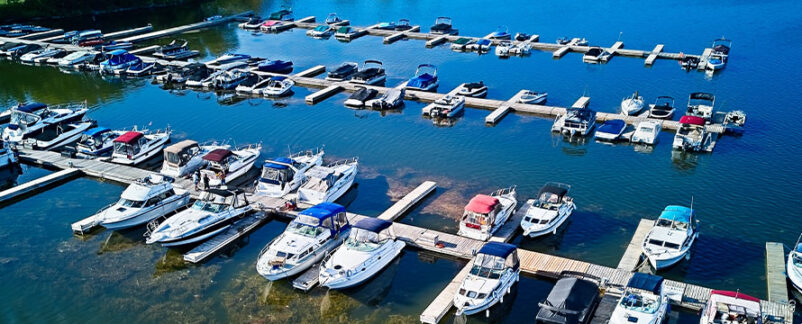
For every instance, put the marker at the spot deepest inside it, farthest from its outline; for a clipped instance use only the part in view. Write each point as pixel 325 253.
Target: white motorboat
pixel 425 78
pixel 28 120
pixel 632 105
pixel 576 121
pixel 495 270
pixel 213 212
pixel 732 307
pixel 275 86
pixel 40 55
pixel 534 97
pixel 249 84
pixel 229 58
pixel 327 183
pixel 308 238
pixel 57 135
pixel 369 248
pixel 143 201
pixel 473 89
pixel 700 104
pixel 210 80
pixel 76 58
pixel 521 49
pixel 485 214
pixel 646 132
pixel 226 165
pixel 692 135
pixel 33 107
pixel 321 31
pixel 135 147
pixel 445 107
pixel 663 108
pixel 671 238
pixel 175 50
pixel 503 48
pixel 185 157
pixel 718 56
pixel 284 175
pixel 644 301
pixel 361 97
pixel 611 130
pixel 793 267
pixel 8 157
pixel 371 73
pixel 391 99
pixel 229 79
pixel 551 209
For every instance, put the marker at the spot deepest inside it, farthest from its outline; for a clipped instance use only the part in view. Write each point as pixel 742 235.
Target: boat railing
pixel 257 146
pixel 105 207
pixel 343 162
pixel 267 246
pixel 505 191
pixel 311 152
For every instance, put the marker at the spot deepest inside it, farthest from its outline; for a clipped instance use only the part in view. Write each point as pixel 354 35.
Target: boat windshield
pixel 488 266
pixel 208 206
pixel 645 130
pixel 639 303
pixel 275 176
pixel 363 240
pixel 23 118
pixel 123 148
pixel 674 225
pixel 475 218
pixel 130 203
pixel 690 130
pixel 173 158
pixel 548 200
pixel 304 229
pixel 797 259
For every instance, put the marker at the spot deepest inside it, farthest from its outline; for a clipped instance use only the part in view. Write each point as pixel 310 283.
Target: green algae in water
pixel 172 261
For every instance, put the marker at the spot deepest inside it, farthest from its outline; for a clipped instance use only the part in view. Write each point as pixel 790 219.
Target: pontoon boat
pixel 692 135
pixel 701 104
pixel 443 26
pixel 372 72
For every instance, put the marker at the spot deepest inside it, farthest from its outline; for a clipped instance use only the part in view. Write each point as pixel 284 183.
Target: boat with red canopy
pixel 485 214
pixel 731 307
pixel 224 165
pixel 134 147
pixel 692 134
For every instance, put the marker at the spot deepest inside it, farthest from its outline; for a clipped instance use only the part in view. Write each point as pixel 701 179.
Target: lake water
pixel 744 193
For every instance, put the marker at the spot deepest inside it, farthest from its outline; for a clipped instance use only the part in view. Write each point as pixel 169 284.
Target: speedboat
pixel 175 50
pixel 425 78
pixel 386 25
pixel 224 165
pixel 442 26
pixel 285 14
pixel 494 270
pixel 718 56
pixel 571 301
pixel 253 23
pixel 701 104
pixel 78 57
pixel 274 26
pixel 369 248
pixel 321 31
pixel 54 58
pixel 229 58
pixel 522 37
pixel 689 62
pixel 503 48
pixel 473 89
pixel 402 25
pixel 276 66
pixel 275 86
pixel 249 84
pixel 534 97
pixel 644 301
pixel 343 72
pixel 115 45
pixel 360 97
pixel 146 199
pixel 192 75
pixel 611 130
pixel 632 105
pixel 7 46
pixel 663 108
pixel 141 69
pixel 28 57
pixel 29 120
pixel 230 79
pixel 57 135
pixel 692 135
pixel 391 99
pixel 596 55
pixel 793 267
pixel 445 107
pixel 97 142
pixel 284 175
pixel 332 18
pixel 731 307
pixel 185 157
pixel 576 121
pixel 485 214
pixel 646 132
pixel 551 209
pixel 327 183
pixel 22 50
pixel 344 33
pixel 671 238
pixel 213 212
pixel 314 233
pixel 461 44
pixel 372 72
pixel 41 55
pixel 135 147
pixel 32 107
pixel 118 61
pixel 572 41
pixel 8 157
pixel 480 46
pixel 502 32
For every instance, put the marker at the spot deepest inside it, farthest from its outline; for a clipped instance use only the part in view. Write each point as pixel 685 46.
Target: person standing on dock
pixel 205 182
pixel 196 178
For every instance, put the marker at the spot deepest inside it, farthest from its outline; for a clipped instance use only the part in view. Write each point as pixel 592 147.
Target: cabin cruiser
pixel 276 86
pixel 442 26
pixel 276 66
pixel 360 97
pixel 572 41
pixel 644 301
pixel 534 97
pixel 646 132
pixel 213 212
pixel 576 121
pixel 473 89
pixel 462 44
pixel 691 135
pixel 546 214
pixel 445 107
pixel 731 307
pixel 57 135
pixel 485 214
pixel 78 57
pixel 663 108
pixel 494 270
pixel 314 233
pixel 29 120
pixel 224 165
pixel 8 157
pixel 425 78
pixel 230 79
pixel 632 105
pixel 97 142
pixel 327 183
pixel 701 104
pixel 501 33
pixel 134 147
pixel 253 23
pixel 371 73
pixel 343 72
pixel 369 248
pixel 480 46
pixel 284 175
pixel 391 99
pixel 596 55
pixel 571 301
pixel 793 267
pixel 185 157
pixel 230 58
pixel 503 48
pixel 118 61
pixel 146 199
pixel 321 31
pixel 175 50
pixel 611 130
pixel 332 18
pixel 671 238
pixel 718 57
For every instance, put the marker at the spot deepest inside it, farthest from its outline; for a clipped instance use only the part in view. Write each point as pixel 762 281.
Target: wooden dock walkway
pixel 502 110
pixel 632 256
pixel 400 35
pixel 776 279
pixel 653 55
pixel 184 28
pixel 411 199
pixel 38 185
pixel 219 242
pixel 445 300
pixel 129 32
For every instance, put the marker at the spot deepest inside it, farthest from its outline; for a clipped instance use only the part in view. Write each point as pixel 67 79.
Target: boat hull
pixel 147 216
pixel 362 276
pixel 307 263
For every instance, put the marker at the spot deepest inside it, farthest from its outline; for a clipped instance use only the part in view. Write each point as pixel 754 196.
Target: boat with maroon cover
pixel 485 214
pixel 224 165
pixel 135 147
pixel 692 134
pixel 731 307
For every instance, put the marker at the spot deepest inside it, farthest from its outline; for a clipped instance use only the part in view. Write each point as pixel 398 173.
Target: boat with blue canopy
pixel 495 269
pixel 611 130
pixel 118 61
pixel 671 238
pixel 97 142
pixel 643 301
pixel 425 78
pixel 284 175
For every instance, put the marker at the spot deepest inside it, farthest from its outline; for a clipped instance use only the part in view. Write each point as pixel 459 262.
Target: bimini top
pixel 483 41
pixel 323 210
pixel 223 193
pixel 117 52
pixel 128 138
pixel 555 188
pixel 646 282
pixel 734 294
pixel 497 249
pixel 692 120
pixel 180 146
pixel 278 166
pixel 96 131
pixel 677 214
pixel 374 225
pixel 31 107
pixel 217 155
pixel 482 204
pixel 613 126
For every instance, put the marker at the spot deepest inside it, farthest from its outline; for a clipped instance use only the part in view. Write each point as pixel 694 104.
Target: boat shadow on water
pixel 122 240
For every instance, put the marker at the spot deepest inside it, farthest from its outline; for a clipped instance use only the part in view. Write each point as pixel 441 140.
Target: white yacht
pixel 275 86
pixel 369 248
pixel 731 307
pixel 57 135
pixel 143 201
pixel 213 212
pixel 327 183
pixel 503 48
pixel 27 121
pixel 308 238
pixel 643 302
pixel 494 271
pixel 8 157
pixel 445 107
pixel 284 175
pixel 185 157
pixel 485 214
pixel 551 209
pixel 646 132
pixel 793 267
pixel 671 238
pixel 134 147
pixel 632 105
pixel 97 142
pixel 691 135
pixel 225 165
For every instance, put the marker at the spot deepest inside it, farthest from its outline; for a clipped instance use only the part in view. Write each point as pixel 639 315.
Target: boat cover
pixel 323 210
pixel 180 146
pixel 128 138
pixel 614 126
pixel 734 294
pixel 646 282
pixel 321 28
pixel 482 204
pixel 344 30
pixel 693 120
pixel 553 188
pixel 498 249
pixel 677 213
pixel 217 155
pixel 569 302
pixel 277 166
pixel 421 80
pixel 483 42
pixel 222 192
pixel 31 107
pixel 271 23
pixel 96 130
pixel 374 225
pixel 462 41
pixel 474 85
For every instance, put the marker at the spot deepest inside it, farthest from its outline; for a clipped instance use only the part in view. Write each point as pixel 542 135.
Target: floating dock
pixel 400 35
pixel 653 55
pixel 443 302
pixel 38 185
pixel 309 279
pixel 219 242
pixel 776 279
pixel 184 28
pixel 411 199
pixel 43 34
pixel 129 32
pixel 503 109
pixel 632 256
